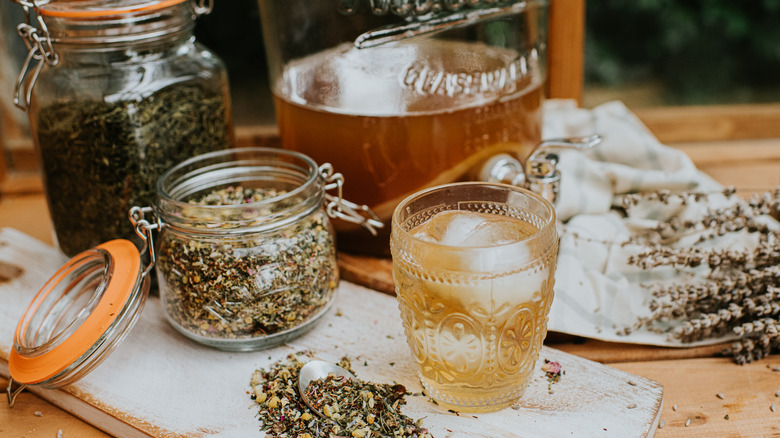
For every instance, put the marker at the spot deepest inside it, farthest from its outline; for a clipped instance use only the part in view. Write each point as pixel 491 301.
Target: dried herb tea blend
pixel 353 408
pixel 247 285
pixel 100 158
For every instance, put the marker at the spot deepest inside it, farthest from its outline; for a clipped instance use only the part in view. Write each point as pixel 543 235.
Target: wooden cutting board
pixel 157 383
pixel 375 273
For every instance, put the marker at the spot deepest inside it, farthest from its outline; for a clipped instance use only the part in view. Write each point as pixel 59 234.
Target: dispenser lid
pixel 79 315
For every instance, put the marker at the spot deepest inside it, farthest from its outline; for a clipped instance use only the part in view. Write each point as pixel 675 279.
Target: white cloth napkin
pixel 596 292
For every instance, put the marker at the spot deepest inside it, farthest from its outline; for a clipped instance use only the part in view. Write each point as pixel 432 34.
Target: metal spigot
pixel 540 173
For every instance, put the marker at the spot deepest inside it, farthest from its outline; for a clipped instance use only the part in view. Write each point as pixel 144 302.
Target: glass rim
pixel 311 175
pixel 541 233
pixel 97 25
pixel 216 168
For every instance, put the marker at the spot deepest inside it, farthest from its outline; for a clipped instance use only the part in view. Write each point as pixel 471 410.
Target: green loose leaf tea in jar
pixel 246 256
pixel 126 94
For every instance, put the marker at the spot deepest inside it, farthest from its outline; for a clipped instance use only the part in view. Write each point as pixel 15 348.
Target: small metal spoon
pixel 318 369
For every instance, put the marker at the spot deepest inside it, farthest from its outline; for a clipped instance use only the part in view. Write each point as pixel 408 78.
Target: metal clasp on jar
pixel 202 7
pixel 13 393
pixel 40 51
pixel 339 208
pixel 540 173
pixel 143 228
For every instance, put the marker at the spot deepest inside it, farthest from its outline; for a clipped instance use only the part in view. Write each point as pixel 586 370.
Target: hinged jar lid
pixel 79 316
pixel 101 8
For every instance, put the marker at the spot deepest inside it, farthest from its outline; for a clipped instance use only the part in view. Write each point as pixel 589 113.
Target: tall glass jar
pixel 401 95
pixel 247 255
pixel 123 93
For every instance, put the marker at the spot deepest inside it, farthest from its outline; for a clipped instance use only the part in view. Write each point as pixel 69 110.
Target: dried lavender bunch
pixel 715 223
pixel 665 196
pixel 741 291
pixel 766 254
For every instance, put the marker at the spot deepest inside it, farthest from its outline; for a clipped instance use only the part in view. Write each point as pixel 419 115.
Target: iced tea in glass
pixel 474 268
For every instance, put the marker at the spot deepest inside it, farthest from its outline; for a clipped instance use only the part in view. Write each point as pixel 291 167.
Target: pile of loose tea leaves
pixel 252 285
pixel 100 158
pixel 353 408
pixel 741 292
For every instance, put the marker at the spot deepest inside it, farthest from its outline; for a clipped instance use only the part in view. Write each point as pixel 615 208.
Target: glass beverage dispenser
pixel 400 95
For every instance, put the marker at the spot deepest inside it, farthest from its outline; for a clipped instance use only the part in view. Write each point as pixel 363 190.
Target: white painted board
pixel 160 384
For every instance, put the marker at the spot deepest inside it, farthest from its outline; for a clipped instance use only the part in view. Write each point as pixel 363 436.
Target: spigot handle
pixel 540 173
pixel 546 147
pixel 541 168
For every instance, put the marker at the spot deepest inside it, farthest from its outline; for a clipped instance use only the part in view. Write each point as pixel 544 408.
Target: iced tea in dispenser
pixel 401 95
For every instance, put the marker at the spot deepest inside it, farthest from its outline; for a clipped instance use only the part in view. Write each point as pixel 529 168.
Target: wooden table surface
pixel 691 377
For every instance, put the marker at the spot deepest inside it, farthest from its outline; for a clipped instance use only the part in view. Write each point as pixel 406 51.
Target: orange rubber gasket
pixel 107 12
pixel 127 263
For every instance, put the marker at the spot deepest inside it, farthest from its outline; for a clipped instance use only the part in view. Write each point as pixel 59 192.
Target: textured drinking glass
pixel 474 268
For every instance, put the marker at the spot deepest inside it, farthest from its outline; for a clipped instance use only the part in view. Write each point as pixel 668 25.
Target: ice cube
pixel 495 231
pixel 434 228
pixel 490 294
pixel 449 227
pixel 489 235
pixel 469 229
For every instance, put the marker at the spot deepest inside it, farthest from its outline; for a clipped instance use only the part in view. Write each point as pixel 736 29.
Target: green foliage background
pixel 703 51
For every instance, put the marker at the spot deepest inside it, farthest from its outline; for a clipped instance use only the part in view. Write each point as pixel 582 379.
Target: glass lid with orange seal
pixel 81 314
pixel 105 8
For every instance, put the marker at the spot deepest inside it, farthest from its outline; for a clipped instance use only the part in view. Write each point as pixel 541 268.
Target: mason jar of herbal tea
pixel 117 91
pixel 246 255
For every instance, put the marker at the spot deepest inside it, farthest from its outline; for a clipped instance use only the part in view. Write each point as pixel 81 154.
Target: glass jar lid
pixel 79 316
pixel 95 22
